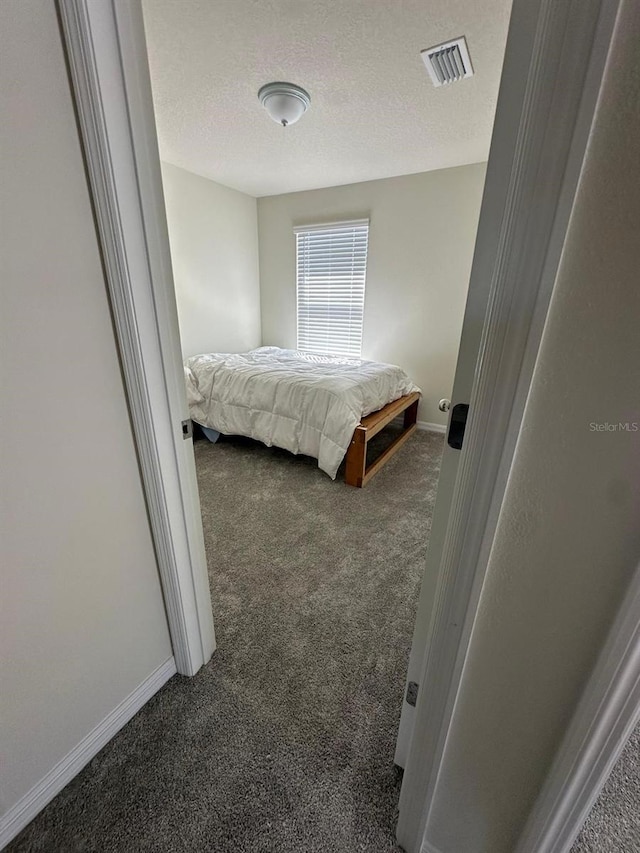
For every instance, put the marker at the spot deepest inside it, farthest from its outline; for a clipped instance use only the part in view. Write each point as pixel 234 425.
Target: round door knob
pixel 444 405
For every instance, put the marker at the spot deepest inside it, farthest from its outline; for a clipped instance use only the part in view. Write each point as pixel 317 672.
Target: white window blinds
pixel 331 272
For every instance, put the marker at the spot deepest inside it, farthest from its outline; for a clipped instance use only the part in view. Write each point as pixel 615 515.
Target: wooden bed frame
pixel 357 473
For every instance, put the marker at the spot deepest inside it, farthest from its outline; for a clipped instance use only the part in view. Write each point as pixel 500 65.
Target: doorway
pixel 314 583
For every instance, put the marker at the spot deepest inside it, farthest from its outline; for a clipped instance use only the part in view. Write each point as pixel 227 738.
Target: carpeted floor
pixel 613 826
pixel 285 741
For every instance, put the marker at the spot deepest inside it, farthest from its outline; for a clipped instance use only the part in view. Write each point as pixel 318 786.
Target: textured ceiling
pixel 374 112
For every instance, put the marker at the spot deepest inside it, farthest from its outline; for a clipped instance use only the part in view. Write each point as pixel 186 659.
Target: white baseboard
pixel 24 811
pixel 425 425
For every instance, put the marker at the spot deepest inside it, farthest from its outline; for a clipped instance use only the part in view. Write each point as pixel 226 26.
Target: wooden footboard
pixel 357 473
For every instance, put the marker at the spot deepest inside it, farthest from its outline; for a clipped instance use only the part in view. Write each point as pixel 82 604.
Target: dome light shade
pixel 285 102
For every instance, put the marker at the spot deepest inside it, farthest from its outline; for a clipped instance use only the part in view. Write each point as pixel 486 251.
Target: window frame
pixel 330 228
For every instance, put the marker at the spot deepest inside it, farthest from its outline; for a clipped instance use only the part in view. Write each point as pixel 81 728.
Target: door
pixel 467 355
pixel 494 203
pixel 553 67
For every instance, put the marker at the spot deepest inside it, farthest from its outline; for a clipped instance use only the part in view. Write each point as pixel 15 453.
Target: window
pixel 331 271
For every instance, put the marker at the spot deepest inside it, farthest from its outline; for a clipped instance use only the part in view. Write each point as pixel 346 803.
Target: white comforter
pixel 302 402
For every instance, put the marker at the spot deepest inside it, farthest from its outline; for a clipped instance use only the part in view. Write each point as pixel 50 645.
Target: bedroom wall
pixel 568 540
pixel 421 240
pixel 213 232
pixel 83 621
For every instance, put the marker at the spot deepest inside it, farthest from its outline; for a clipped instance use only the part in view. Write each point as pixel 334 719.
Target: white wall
pixel 83 621
pixel 568 539
pixel 421 240
pixel 213 231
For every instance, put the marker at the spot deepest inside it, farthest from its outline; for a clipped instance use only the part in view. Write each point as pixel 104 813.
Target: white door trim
pixel 607 713
pixel 553 70
pixel 117 128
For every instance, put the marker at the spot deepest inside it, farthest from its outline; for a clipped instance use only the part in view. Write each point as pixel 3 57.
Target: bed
pixel 322 406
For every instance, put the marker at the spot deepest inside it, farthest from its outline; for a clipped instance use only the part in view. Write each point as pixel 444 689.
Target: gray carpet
pixel 613 826
pixel 285 741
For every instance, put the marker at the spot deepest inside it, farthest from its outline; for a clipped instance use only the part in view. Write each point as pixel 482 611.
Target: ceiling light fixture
pixel 285 102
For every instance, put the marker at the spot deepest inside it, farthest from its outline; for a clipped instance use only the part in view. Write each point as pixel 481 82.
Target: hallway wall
pixel 82 615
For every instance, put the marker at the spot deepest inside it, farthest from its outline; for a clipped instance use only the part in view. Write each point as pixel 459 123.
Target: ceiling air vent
pixel 448 62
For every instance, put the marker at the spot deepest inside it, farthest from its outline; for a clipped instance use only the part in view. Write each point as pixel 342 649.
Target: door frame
pixel 546 121
pixel 107 60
